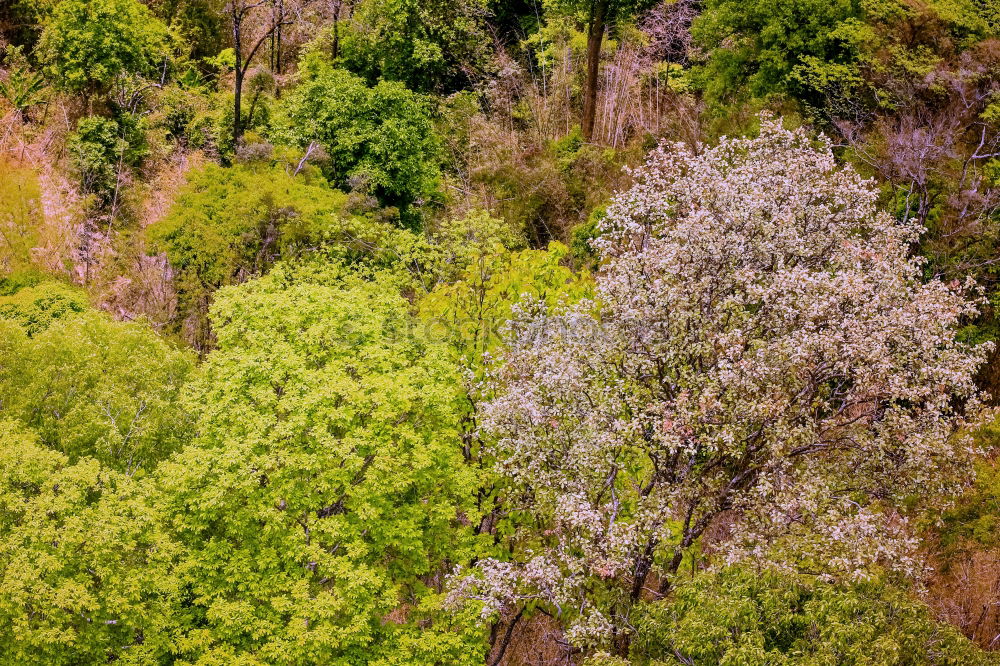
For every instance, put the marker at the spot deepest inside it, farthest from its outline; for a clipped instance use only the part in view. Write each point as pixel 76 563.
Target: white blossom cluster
pixel 762 348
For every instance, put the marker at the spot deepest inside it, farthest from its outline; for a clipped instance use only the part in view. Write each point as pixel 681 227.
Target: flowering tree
pixel 761 353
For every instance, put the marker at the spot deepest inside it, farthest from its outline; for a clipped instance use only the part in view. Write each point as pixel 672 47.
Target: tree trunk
pixel 237 123
pixel 277 36
pixel 506 639
pixel 595 35
pixel 621 640
pixel 238 86
pixel 335 49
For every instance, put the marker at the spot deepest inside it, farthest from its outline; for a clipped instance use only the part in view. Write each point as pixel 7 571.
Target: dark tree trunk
pixel 237 121
pixel 505 643
pixel 238 85
pixel 595 36
pixel 277 36
pixel 335 49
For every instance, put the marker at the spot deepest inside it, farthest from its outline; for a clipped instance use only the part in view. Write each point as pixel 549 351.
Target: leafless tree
pixel 255 22
pixel 668 26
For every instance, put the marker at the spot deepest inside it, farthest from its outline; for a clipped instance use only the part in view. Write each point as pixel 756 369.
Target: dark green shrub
pixel 379 140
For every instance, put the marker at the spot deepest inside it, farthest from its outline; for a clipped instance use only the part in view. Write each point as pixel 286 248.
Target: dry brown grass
pixel 164 182
pixel 59 226
pixel 535 641
pixel 966 593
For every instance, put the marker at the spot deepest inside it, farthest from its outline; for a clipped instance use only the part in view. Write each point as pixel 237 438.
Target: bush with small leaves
pixel 744 615
pixel 379 140
pixel 34 304
pixel 90 386
pixel 102 149
pixel 87 43
pixel 227 225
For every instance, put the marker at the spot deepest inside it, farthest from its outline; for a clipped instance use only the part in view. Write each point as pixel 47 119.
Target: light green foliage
pixel 430 45
pixel 34 306
pixel 90 386
pixel 87 43
pixel 471 311
pixel 754 47
pixel 558 39
pixel 379 140
pixel 973 523
pixel 230 224
pixel 324 497
pixel 82 561
pixel 741 616
pixel 463 240
pixel 966 22
pixel 21 215
pixel 469 314
pixel 101 149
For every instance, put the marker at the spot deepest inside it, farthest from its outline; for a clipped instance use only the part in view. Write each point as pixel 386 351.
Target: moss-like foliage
pixel 743 616
pixel 36 305
pixel 228 225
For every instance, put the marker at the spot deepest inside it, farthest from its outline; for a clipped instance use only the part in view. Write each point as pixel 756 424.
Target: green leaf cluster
pixel 429 45
pixel 22 88
pixel 101 149
pixel 470 312
pixel 754 48
pixel 34 304
pixel 323 499
pixel 379 140
pixel 89 386
pixel 740 616
pixel 227 225
pixel 83 562
pixel 87 43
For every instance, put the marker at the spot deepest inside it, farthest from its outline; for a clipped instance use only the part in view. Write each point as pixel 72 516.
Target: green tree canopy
pixel 227 225
pixel 83 563
pixel 379 140
pixel 324 497
pixel 471 311
pixel 431 46
pixel 755 47
pixel 90 386
pixel 35 306
pixel 87 43
pixel 744 616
